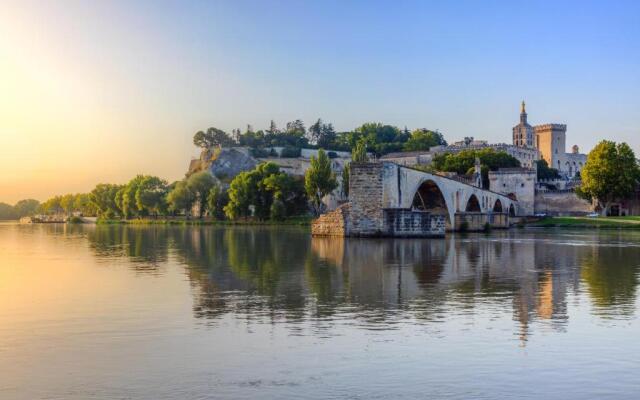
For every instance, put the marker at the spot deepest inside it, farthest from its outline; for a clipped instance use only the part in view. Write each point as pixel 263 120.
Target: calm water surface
pixel 113 312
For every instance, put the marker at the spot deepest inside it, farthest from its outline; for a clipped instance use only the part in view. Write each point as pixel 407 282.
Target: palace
pixel 550 141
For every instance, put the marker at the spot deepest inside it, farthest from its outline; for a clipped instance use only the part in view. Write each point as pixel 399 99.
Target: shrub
pixel 290 152
pixel 259 153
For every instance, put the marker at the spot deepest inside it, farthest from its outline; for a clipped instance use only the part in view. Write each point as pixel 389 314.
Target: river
pixel 159 312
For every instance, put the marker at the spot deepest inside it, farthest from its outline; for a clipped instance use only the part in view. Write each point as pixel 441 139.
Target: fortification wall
pixel 561 203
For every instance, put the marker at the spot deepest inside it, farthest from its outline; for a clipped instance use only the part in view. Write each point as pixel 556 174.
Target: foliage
pixel 181 199
pixel 256 190
pixel 24 208
pixel 610 173
pixel 7 212
pixel 290 152
pixel 67 203
pixel 323 135
pixel 346 172
pixel 319 179
pixel 151 196
pixel 544 172
pixel 200 184
pixel 212 137
pixel 424 139
pixel 217 199
pixel 359 152
pixel 106 200
pixel 464 161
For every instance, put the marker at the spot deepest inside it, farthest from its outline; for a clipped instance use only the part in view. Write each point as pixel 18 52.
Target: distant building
pixel 550 141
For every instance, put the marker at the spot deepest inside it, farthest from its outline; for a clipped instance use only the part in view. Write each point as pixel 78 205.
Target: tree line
pixel 379 138
pixel 264 193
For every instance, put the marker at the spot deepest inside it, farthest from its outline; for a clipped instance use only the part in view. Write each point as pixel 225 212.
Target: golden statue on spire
pixel 522 108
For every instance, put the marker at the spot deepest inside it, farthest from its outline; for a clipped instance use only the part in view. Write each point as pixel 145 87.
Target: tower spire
pixel 522 108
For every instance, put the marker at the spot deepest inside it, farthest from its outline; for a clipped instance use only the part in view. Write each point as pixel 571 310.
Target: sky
pixel 101 91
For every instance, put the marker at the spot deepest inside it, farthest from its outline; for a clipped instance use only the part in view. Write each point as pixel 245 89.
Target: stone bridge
pixel 386 199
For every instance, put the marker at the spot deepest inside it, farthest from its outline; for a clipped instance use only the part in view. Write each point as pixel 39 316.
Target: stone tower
pixel 523 135
pixel 551 142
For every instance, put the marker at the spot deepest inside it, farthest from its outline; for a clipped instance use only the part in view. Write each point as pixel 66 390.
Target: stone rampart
pixel 561 203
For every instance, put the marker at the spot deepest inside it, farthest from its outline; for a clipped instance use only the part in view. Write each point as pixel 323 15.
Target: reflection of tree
pixel 611 275
pixel 146 247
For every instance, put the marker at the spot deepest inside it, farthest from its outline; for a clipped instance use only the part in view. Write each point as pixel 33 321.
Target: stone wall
pixel 333 223
pixel 520 182
pixel 561 203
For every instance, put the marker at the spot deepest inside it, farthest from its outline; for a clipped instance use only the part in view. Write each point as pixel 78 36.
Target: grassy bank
pixel 588 222
pixel 296 221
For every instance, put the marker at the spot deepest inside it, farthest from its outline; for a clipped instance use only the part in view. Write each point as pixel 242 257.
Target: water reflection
pixel 282 274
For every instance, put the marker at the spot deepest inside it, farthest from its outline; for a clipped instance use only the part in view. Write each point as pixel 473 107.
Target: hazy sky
pixel 100 91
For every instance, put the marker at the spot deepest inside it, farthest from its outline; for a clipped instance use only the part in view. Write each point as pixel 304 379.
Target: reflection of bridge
pixel 388 199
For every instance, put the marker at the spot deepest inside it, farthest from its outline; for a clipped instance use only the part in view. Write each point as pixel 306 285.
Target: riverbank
pixel 588 222
pixel 297 221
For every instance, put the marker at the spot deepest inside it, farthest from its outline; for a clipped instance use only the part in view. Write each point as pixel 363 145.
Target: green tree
pixel 217 199
pixel 181 198
pixel 52 206
pixel 200 184
pixel 7 212
pixel 544 172
pixel 346 172
pixel 26 207
pixel 151 195
pixel 253 192
pixel 104 198
pixel 319 180
pixel 463 162
pixel 212 137
pixel 67 202
pixel 424 139
pixel 129 204
pixel 611 173
pixel 359 152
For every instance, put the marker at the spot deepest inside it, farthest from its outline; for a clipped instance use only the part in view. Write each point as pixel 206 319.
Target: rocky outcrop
pixel 223 163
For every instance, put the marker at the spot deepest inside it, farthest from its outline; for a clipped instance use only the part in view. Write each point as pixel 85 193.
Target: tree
pixel 319 180
pixel 212 137
pixel 359 152
pixel 52 206
pixel 217 199
pixel 253 192
pixel 129 204
pixel 7 212
pixel 151 195
pixel 610 173
pixel 200 184
pixel 424 139
pixel 181 198
pixel 544 172
pixel 107 199
pixel 346 172
pixel 26 207
pixel 67 203
pixel 463 162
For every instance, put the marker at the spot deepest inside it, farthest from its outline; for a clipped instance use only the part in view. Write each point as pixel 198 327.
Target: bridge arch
pixel 497 206
pixel 473 205
pixel 429 197
pixel 512 211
